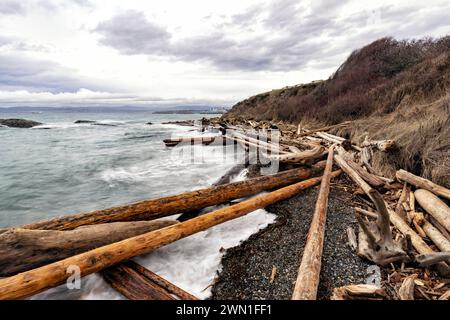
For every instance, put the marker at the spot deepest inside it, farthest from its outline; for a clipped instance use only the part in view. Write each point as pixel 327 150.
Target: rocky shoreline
pixel 275 252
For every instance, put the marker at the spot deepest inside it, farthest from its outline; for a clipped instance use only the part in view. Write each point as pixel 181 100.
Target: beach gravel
pixel 247 269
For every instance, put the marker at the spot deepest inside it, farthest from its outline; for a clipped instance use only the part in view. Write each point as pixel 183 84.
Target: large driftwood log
pixel 375 239
pixel 37 280
pixel 23 249
pixel 382 145
pixel 434 206
pixel 134 285
pixel 326 128
pixel 138 283
pixel 309 271
pixel 312 154
pixel 430 259
pixel 172 142
pixel 188 201
pixel 371 179
pixel 438 238
pixel 420 182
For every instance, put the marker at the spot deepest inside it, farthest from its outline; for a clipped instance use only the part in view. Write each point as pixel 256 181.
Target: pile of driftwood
pixel 404 226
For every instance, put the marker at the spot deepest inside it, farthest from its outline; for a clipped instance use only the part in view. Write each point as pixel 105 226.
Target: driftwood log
pixel 382 145
pixel 37 280
pixel 420 182
pixel 301 157
pixel 437 237
pixel 358 292
pixel 375 239
pixel 326 128
pixel 23 249
pixel 434 206
pixel 309 271
pixel 138 283
pixel 185 202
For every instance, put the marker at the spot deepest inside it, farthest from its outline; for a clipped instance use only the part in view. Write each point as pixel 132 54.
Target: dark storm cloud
pixel 23 73
pixel 296 35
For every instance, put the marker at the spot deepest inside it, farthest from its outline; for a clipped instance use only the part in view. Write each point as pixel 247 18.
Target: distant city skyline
pixel 199 52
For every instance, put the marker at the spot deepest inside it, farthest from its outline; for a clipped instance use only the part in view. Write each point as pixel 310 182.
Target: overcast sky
pixel 135 52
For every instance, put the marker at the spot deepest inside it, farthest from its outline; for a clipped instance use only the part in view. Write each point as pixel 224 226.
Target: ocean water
pixel 80 167
pixel 62 168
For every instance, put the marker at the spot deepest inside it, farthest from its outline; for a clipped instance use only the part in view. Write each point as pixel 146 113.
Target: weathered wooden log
pixel 438 239
pixel 382 145
pixel 366 212
pixel 309 271
pixel 37 280
pixel 430 259
pixel 406 290
pixel 375 239
pixel 138 283
pixel 358 292
pixel 188 201
pixel 172 142
pixel 326 128
pixel 163 283
pixel 133 285
pixel 438 226
pixel 371 179
pixel 420 182
pixel 434 206
pixel 23 249
pixel 416 241
pixel 312 154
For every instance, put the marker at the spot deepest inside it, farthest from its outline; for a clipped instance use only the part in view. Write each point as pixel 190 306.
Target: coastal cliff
pixel 389 89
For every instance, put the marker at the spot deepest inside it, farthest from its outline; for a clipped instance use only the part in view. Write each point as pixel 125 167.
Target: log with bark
pixel 138 283
pixel 309 271
pixel 37 280
pixel 434 206
pixel 23 249
pixel 188 201
pixel 420 182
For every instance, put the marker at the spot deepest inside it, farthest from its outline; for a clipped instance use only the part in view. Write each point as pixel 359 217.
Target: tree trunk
pixel 309 270
pixel 434 206
pixel 184 202
pixel 23 249
pixel 37 280
pixel 420 182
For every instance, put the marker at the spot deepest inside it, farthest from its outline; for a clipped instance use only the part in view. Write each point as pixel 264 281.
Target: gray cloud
pixel 11 7
pixel 19 72
pixel 132 33
pixel 296 35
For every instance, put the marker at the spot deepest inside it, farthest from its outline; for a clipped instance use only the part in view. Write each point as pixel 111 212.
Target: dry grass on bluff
pixel 391 90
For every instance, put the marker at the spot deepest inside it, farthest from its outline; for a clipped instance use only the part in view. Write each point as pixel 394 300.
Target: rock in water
pixel 19 123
